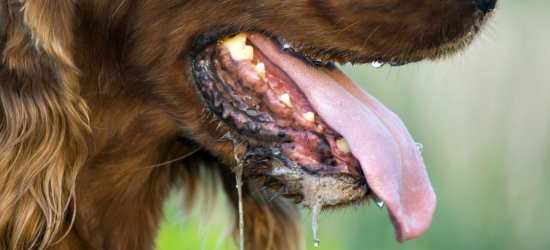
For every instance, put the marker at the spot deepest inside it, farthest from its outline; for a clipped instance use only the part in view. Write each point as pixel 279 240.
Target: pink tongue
pixel 377 137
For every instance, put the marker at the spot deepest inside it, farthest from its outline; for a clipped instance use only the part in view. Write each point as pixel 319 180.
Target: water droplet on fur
pixel 420 147
pixel 287 45
pixel 377 65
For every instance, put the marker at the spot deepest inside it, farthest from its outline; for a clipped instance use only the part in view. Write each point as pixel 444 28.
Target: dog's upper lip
pixel 390 160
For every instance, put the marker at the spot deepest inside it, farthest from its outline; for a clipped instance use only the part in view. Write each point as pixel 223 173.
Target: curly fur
pixel 97 106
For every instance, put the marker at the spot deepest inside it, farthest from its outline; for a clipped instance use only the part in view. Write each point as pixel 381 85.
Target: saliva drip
pixel 242 162
pixel 377 65
pixel 238 177
pixel 315 211
pixel 314 198
pixel 420 147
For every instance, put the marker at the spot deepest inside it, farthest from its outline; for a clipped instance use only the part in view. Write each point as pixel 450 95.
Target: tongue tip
pixel 412 226
pixel 400 231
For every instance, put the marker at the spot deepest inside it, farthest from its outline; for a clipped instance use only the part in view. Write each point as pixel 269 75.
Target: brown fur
pixel 96 95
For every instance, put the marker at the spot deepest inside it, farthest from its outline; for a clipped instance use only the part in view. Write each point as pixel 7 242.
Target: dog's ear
pixel 43 122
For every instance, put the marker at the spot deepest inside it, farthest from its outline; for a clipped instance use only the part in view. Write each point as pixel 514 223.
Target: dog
pixel 106 106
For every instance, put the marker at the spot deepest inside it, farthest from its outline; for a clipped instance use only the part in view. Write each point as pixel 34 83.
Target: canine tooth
pixel 310 116
pixel 238 48
pixel 286 99
pixel 342 144
pixel 260 69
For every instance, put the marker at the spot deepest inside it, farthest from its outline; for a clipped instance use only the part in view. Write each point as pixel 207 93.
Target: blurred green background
pixel 484 120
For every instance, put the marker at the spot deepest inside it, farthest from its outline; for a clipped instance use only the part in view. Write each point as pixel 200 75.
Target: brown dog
pixel 101 112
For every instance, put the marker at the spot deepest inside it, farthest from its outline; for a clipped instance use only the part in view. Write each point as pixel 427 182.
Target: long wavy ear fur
pixel 43 123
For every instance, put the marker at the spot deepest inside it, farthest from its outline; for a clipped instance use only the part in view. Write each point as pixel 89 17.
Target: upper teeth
pixel 310 116
pixel 342 144
pixel 286 99
pixel 238 48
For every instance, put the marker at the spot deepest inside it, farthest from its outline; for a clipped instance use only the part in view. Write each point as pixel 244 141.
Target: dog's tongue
pixel 377 137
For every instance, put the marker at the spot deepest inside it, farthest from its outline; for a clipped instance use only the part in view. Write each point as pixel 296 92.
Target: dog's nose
pixel 486 5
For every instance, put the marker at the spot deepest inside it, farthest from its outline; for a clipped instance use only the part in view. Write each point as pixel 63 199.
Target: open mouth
pixel 313 134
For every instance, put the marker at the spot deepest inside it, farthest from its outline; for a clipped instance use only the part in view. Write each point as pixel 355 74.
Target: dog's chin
pixel 311 133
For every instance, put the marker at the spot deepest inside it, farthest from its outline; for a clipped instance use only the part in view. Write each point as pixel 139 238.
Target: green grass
pixel 199 232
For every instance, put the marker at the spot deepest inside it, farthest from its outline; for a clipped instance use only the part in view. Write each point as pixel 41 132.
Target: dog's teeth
pixel 321 128
pixel 248 51
pixel 285 98
pixel 238 48
pixel 310 116
pixel 260 69
pixel 342 144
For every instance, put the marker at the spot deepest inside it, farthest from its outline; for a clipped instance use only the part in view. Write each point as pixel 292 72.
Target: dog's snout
pixel 486 5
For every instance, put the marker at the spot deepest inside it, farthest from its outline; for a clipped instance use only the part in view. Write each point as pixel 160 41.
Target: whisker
pixel 347 27
pixel 172 161
pixel 118 8
pixel 489 40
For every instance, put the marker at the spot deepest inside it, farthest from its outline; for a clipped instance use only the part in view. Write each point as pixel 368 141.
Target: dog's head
pixel 263 71
pixel 267 77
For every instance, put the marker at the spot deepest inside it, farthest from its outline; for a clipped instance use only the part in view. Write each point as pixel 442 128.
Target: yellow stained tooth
pixel 310 116
pixel 342 144
pixel 260 69
pixel 238 48
pixel 248 51
pixel 286 99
